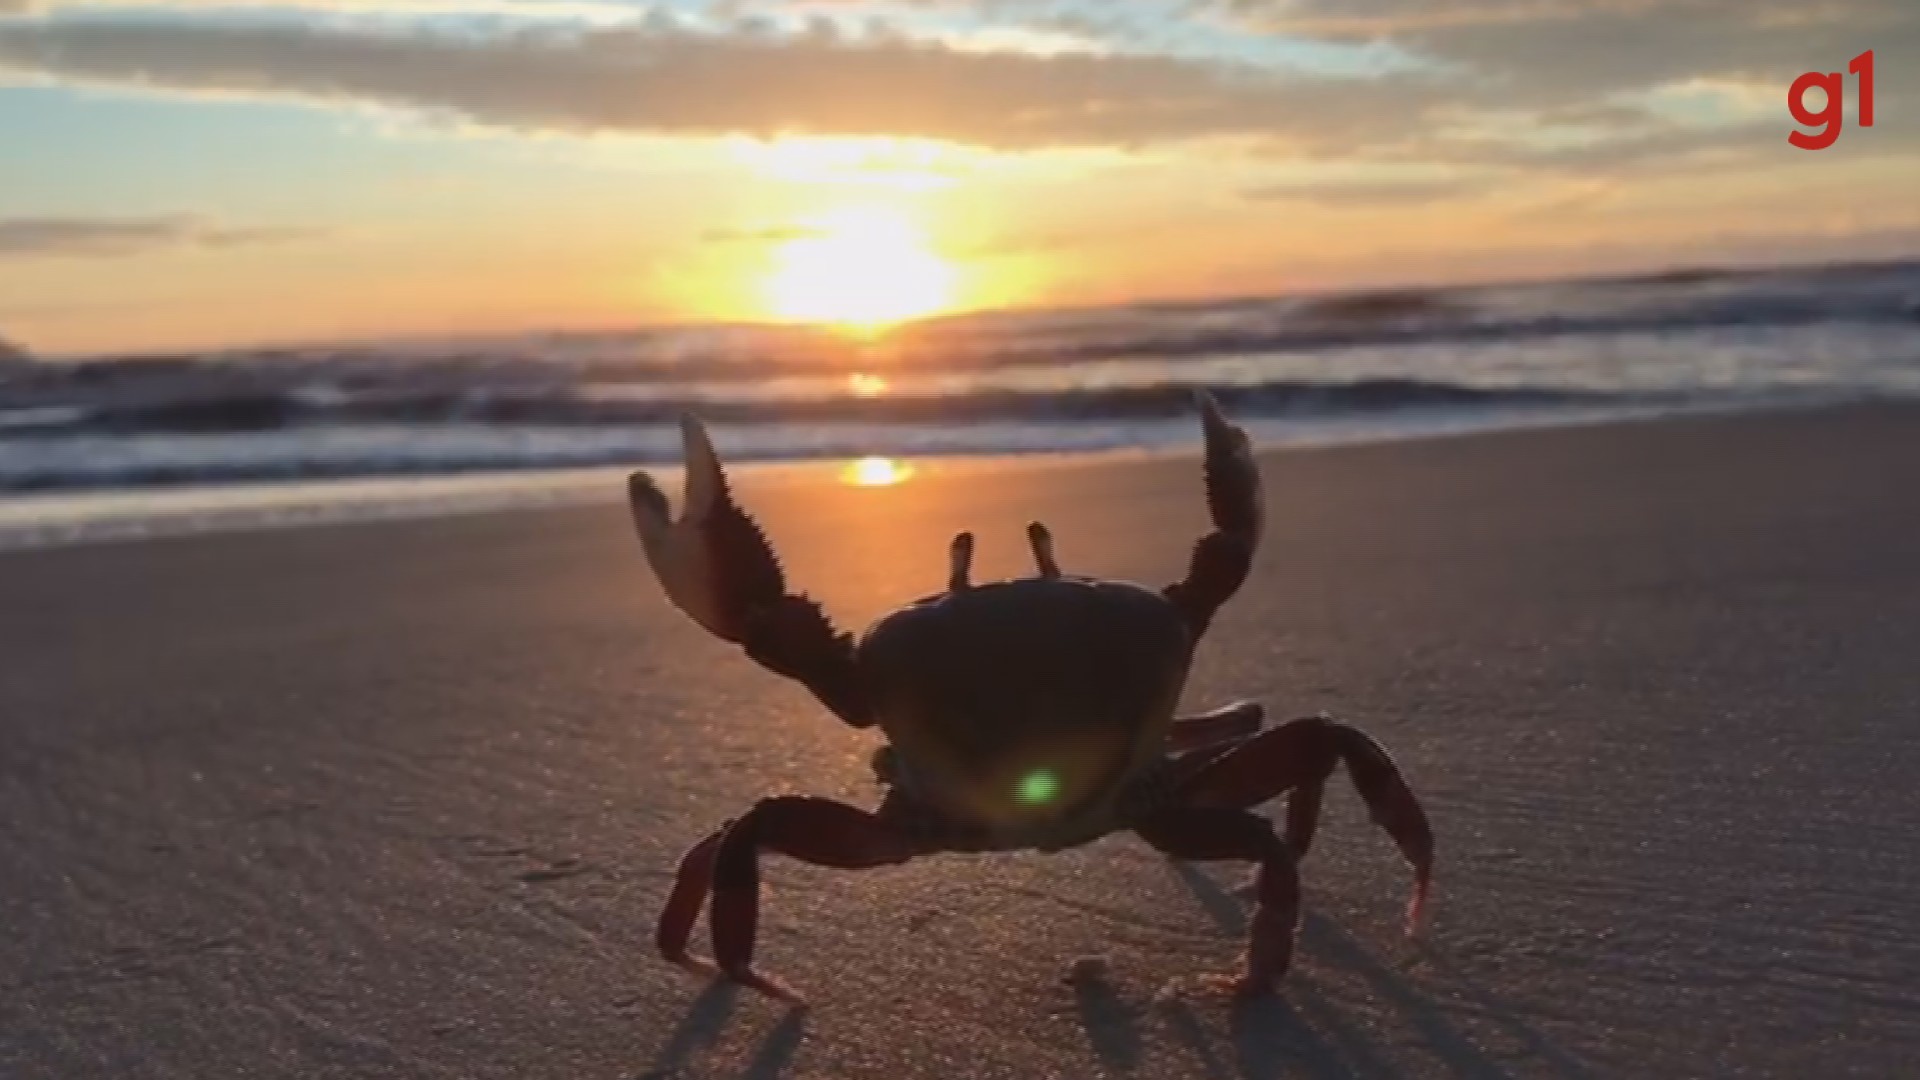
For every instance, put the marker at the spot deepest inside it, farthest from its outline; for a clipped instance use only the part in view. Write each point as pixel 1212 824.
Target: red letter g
pixel 1828 118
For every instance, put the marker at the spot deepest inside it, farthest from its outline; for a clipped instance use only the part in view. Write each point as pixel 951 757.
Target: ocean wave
pixel 1384 361
pixel 94 461
pixel 567 407
pixel 1657 304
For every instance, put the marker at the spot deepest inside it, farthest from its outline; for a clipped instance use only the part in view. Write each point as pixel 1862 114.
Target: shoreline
pixel 35 520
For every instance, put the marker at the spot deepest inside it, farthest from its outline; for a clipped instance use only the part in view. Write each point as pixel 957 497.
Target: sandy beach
pixel 403 798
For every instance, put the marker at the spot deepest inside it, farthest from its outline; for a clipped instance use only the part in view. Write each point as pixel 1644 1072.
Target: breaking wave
pixel 1363 364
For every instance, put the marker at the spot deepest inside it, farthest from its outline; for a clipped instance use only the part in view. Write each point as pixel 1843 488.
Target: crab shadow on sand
pixel 1300 1032
pixel 706 1021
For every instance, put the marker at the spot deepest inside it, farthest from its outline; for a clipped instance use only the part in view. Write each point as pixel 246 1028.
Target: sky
pixel 242 172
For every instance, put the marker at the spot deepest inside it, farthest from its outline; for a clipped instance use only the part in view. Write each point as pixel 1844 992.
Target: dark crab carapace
pixel 1030 714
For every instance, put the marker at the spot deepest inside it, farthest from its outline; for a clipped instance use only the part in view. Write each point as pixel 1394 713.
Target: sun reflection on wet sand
pixel 865 385
pixel 876 472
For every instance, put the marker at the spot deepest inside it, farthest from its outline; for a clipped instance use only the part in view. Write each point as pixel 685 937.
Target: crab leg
pixel 1223 558
pixel 715 564
pixel 692 881
pixel 1298 756
pixel 1216 832
pixel 817 831
pixel 1225 724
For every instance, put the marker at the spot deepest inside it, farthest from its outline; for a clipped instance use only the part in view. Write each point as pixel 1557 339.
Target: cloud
pixel 1544 52
pixel 604 9
pixel 655 78
pixel 1370 191
pixel 1547 84
pixel 111 237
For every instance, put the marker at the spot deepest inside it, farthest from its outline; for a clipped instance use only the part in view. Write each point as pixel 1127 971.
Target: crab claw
pixel 1223 557
pixel 714 563
pixel 1233 479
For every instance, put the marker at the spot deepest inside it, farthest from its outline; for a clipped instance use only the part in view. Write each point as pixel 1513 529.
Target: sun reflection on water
pixel 876 472
pixel 865 385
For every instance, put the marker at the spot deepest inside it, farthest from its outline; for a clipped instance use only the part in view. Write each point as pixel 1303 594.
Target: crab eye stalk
pixel 960 561
pixel 1042 542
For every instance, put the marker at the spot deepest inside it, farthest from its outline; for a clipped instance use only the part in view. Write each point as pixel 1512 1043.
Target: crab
pixel 1034 714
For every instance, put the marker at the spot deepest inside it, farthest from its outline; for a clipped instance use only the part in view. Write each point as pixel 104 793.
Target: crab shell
pixel 1034 713
pixel 1023 708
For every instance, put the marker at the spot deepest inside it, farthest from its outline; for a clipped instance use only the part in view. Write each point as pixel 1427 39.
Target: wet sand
pixel 402 799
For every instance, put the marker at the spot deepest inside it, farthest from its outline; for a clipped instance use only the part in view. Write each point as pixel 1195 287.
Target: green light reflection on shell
pixel 1038 788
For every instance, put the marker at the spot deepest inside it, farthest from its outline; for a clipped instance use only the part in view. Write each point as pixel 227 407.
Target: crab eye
pixel 1038 788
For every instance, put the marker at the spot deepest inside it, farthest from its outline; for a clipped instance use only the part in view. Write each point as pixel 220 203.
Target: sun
pixel 862 268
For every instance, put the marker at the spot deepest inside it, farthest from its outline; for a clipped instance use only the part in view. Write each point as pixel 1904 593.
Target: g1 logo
pixel 1829 118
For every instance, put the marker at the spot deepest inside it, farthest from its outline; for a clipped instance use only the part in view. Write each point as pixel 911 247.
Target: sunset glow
pixel 862 267
pixel 876 472
pixel 881 164
pixel 338 170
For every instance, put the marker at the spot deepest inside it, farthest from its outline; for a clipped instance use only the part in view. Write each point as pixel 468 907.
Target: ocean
pixel 337 430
